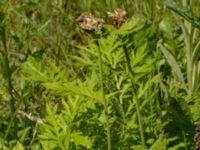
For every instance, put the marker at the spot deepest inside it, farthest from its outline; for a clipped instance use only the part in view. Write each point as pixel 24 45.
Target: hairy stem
pixel 9 80
pixel 135 93
pixel 104 97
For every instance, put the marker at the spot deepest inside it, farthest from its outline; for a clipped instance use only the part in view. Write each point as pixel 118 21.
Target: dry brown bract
pixel 118 17
pixel 89 23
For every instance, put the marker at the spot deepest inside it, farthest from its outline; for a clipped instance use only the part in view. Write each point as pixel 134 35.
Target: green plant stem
pixel 9 80
pixel 104 98
pixel 135 93
pixel 185 140
pixel 136 6
pixel 13 115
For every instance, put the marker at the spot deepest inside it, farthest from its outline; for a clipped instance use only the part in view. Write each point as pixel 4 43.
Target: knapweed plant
pixel 99 75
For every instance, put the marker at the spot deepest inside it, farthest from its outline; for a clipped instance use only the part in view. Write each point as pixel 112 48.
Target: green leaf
pixel 80 140
pixel 83 61
pixel 23 134
pixel 185 12
pixel 177 147
pixel 18 146
pixel 173 63
pixel 138 147
pixel 148 84
pixel 4 147
pixel 160 144
pixel 33 70
pixel 77 87
pixel 133 25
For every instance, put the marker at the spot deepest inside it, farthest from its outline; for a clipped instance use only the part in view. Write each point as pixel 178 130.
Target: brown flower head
pixel 118 17
pixel 89 23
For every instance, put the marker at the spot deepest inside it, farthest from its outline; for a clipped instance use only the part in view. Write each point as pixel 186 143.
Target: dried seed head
pixel 118 17
pixel 89 23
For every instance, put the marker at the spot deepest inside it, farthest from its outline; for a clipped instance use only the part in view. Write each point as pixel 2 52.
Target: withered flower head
pixel 118 17
pixel 89 23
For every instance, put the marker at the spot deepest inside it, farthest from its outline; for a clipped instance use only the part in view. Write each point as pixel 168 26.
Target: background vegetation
pixel 131 86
